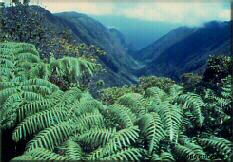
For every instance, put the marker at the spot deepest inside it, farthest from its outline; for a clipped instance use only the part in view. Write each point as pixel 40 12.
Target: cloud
pixel 87 7
pixel 186 13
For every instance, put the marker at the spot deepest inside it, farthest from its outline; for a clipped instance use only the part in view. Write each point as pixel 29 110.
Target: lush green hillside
pixel 154 120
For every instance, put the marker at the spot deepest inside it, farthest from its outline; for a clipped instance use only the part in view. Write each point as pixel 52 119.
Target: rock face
pixel 185 50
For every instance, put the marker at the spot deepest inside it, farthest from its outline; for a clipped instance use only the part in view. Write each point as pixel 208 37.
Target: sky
pixel 190 13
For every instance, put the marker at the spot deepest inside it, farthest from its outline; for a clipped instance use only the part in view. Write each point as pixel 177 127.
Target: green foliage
pixel 165 156
pixel 195 104
pixel 191 82
pixel 153 81
pixel 39 154
pixel 152 129
pixel 222 146
pixel 110 95
pixel 160 123
pixel 218 67
pixel 23 60
pixel 31 24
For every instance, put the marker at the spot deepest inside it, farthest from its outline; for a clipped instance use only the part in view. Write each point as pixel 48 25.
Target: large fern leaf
pixel 152 128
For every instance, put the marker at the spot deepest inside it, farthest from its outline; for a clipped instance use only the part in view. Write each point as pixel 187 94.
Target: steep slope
pixel 41 27
pixel 187 52
pixel 91 32
pixel 152 51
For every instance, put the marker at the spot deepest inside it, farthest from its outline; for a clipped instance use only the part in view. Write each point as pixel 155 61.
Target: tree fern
pixel 157 123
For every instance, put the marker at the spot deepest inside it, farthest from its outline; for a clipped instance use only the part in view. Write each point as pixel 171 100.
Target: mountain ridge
pixel 188 54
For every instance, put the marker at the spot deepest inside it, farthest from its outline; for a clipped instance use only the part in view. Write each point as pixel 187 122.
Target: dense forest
pixel 54 105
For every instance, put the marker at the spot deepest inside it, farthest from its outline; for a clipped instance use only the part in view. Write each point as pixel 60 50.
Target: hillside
pixel 79 28
pixel 155 49
pixel 92 32
pixel 185 50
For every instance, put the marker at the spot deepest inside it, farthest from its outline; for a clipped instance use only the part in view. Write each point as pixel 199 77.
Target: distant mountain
pixel 140 33
pixel 185 50
pixel 155 49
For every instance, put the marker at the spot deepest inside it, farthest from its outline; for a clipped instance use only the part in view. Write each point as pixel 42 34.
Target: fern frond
pixel 87 106
pixel 171 116
pixel 96 137
pixel 194 102
pixel 89 120
pixel 5 93
pixel 221 145
pixel 186 153
pixel 121 115
pixel 152 128
pixel 33 107
pixel 32 96
pixel 196 149
pixel 52 136
pixel 129 154
pixel 165 156
pixel 40 154
pixel 26 56
pixel 121 139
pixel 73 150
pixel 133 101
pixel 37 122
pixel 154 92
pixel 175 91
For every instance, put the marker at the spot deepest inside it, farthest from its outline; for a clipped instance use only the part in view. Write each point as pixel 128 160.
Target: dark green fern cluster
pixel 70 125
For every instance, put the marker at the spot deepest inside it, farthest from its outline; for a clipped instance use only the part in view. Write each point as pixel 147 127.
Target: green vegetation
pixel 30 24
pixel 154 120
